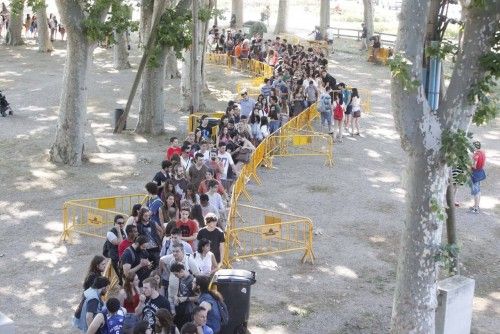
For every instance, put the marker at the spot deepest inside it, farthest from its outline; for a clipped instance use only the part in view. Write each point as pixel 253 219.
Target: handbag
pixel 478 175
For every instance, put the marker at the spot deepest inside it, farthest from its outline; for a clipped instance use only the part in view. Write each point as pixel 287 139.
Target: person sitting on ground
pixel 111 320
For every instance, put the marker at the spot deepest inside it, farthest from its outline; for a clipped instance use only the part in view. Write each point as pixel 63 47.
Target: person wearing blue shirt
pixel 200 320
pixel 246 104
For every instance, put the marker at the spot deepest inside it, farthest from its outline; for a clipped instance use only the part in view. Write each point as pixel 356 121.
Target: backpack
pixel 338 112
pixel 224 313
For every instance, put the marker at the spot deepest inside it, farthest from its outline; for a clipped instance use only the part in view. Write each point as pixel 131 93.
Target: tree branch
pixel 479 28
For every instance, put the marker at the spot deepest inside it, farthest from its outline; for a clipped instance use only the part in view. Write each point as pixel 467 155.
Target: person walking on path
pixel 477 175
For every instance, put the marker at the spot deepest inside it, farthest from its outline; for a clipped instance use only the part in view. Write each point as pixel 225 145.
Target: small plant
pixel 457 147
pixel 446 256
pixel 401 69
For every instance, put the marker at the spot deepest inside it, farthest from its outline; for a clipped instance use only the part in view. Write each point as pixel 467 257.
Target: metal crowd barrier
pixel 93 216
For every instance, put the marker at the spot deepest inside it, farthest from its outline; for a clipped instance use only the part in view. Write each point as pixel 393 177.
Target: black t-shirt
pixel 331 80
pixel 160 178
pixel 93 306
pixel 133 257
pixel 216 237
pixel 206 131
pixel 151 306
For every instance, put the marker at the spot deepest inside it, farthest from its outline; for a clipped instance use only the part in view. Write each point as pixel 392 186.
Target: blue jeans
pixel 274 125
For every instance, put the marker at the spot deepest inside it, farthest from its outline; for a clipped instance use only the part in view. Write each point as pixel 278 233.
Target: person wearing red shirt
pixel 189 228
pixel 478 175
pixel 174 148
pixel 131 232
pixel 203 188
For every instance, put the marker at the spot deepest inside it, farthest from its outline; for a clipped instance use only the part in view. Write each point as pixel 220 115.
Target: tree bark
pixel 171 68
pixel 152 105
pixel 368 17
pixel 195 60
pixel 281 23
pixel 426 176
pixel 237 11
pixel 120 52
pixel 203 49
pixel 44 43
pixel 324 17
pixel 69 142
pixel 13 37
pixel 451 230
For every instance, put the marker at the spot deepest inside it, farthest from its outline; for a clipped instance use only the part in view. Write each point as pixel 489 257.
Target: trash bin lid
pixel 235 276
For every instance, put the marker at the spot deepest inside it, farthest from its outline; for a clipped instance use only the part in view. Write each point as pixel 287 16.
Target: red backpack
pixel 338 112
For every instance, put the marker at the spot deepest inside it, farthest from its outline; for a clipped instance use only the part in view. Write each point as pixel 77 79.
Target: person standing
pixel 91 304
pixel 364 36
pixel 110 320
pixel 325 109
pixel 477 175
pixel 356 111
pixel 150 302
pixel 113 238
pixel 216 237
pixel 183 300
pixel 200 320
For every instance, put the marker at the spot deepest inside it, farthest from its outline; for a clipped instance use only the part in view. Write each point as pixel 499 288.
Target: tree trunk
pixel 324 17
pixel 152 106
pixel 171 68
pixel 44 43
pixel 426 177
pixel 368 17
pixel 69 142
pixel 237 11
pixel 204 36
pixel 13 37
pixel 195 59
pixel 186 81
pixel 216 16
pixel 451 230
pixel 282 17
pixel 120 52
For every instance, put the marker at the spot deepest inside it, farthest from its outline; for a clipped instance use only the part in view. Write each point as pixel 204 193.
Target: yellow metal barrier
pixel 272 232
pixel 93 216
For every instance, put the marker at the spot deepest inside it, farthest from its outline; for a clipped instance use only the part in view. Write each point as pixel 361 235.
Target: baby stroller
pixel 4 106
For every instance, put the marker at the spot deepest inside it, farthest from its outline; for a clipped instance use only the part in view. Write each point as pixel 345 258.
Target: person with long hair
pixel 204 258
pixel 129 298
pixel 197 214
pixel 190 197
pixel 96 268
pixel 132 220
pixel 208 299
pixel 153 232
pixel 165 322
pixel 356 111
pixel 223 136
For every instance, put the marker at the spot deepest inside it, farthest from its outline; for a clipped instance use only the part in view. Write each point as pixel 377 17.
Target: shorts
pixel 475 188
pixel 356 114
pixel 326 117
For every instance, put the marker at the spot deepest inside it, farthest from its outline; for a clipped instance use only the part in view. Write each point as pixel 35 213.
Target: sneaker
pixel 473 210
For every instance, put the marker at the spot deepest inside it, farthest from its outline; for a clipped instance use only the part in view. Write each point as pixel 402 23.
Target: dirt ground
pixel 356 206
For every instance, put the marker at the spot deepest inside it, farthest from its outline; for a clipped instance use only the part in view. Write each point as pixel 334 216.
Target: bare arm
pixel 95 324
pixel 221 251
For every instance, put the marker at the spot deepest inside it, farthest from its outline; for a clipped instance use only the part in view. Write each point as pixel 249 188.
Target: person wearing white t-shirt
pixel 227 161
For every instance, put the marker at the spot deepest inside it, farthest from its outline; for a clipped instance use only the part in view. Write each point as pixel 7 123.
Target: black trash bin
pixel 118 113
pixel 234 285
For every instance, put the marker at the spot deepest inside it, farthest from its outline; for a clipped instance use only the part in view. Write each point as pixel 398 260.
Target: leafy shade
pixel 456 148
pixel 400 69
pixel 118 19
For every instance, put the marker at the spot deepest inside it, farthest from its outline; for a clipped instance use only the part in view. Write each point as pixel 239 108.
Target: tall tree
pixel 15 29
pixel 281 22
pixel 368 17
pixel 121 46
pixel 152 105
pixel 86 23
pixel 237 13
pixel 324 16
pixel 44 43
pixel 429 139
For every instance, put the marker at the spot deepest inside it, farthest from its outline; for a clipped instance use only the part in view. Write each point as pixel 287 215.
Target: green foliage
pixel 456 148
pixel 258 28
pixel 106 16
pixel 437 209
pixel 482 92
pixel 445 48
pixel 17 7
pixel 400 69
pixel 174 30
pixel 446 255
pixel 478 3
pixel 37 4
pixel 206 13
